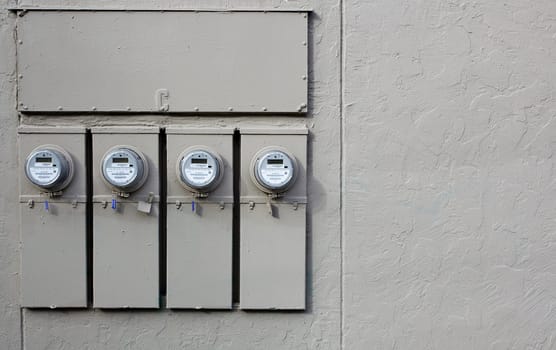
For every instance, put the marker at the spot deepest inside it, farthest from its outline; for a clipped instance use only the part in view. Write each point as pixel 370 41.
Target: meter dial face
pixel 274 170
pixel 49 168
pixel 200 169
pixel 124 168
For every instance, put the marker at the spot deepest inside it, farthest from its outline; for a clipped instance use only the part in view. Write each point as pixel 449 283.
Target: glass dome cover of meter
pixel 274 170
pixel 199 169
pixel 49 167
pixel 124 168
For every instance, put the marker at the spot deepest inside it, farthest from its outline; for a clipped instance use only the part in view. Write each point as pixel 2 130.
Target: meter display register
pixel 124 168
pixel 273 170
pixel 199 169
pixel 50 168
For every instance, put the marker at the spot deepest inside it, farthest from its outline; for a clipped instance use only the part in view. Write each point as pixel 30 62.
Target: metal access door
pixel 125 239
pixel 199 230
pixel 53 229
pixel 273 230
pixel 101 61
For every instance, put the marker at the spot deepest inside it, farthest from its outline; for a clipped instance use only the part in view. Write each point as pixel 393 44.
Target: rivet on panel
pixel 25 107
pixel 264 109
pixel 230 109
pixel 304 77
pixel 60 108
pixel 304 43
pixel 128 108
pixel 196 109
pixel 93 108
pixel 20 42
pixel 21 76
pixel 304 15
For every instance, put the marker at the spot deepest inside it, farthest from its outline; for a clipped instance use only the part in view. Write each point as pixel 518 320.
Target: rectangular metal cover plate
pixel 125 240
pixel 162 61
pixel 199 236
pixel 53 255
pixel 273 247
pixel 272 257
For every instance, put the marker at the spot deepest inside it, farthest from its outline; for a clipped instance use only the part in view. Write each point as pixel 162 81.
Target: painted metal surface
pixel 273 231
pixel 199 230
pixel 53 229
pixel 179 62
pixel 125 239
pixel 318 328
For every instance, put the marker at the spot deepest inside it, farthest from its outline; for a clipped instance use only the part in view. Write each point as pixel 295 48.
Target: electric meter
pixel 273 170
pixel 49 167
pixel 124 168
pixel 199 169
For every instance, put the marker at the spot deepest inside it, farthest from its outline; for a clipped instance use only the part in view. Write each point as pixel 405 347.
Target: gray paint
pixel 53 241
pixel 437 255
pixel 180 62
pixel 125 241
pixel 272 257
pixel 199 243
pixel 272 231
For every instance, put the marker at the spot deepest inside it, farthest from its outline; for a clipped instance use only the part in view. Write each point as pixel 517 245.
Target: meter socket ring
pixel 199 169
pixel 49 167
pixel 124 168
pixel 273 170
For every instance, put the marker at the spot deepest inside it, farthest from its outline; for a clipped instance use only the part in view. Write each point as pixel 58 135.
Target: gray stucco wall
pixel 432 217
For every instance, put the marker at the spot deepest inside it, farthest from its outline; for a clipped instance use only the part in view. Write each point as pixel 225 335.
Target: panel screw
pixel 94 108
pixel 25 107
pixel 20 42
pixel 304 43
pixel 230 109
pixel 304 15
pixel 264 109
pixel 21 76
pixel 60 108
pixel 128 108
pixel 196 109
pixel 304 77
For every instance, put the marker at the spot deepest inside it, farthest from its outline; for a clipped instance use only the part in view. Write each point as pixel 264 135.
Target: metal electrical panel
pixel 125 217
pixel 273 199
pixel 102 61
pixel 199 218
pixel 52 206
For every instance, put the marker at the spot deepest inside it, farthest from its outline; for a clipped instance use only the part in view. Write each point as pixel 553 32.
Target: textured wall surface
pixel 450 206
pixel 432 217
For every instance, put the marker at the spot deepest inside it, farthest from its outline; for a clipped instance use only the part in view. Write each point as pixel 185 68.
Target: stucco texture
pixel 449 191
pixel 432 210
